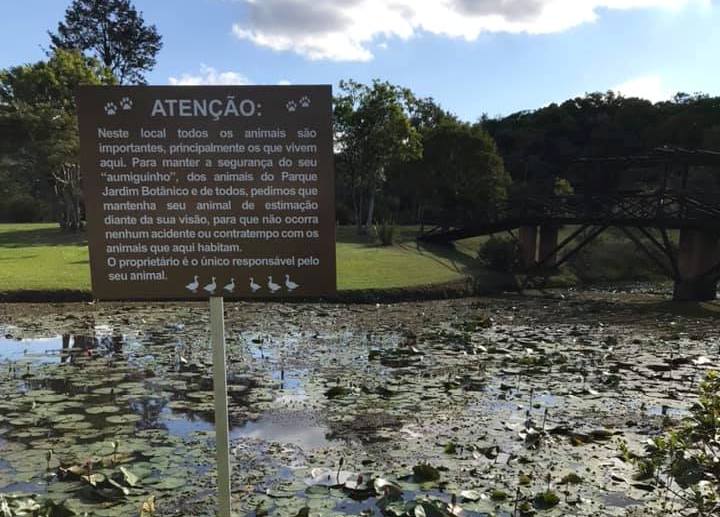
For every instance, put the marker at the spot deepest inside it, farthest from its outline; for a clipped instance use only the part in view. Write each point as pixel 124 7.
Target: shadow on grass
pixel 445 255
pixel 479 280
pixel 18 258
pixel 41 237
pixel 349 235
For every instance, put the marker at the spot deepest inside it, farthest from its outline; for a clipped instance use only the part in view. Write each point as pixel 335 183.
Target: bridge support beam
pixel 698 252
pixel 547 252
pixel 527 237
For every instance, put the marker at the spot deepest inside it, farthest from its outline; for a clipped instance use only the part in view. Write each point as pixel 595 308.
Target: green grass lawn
pixel 38 257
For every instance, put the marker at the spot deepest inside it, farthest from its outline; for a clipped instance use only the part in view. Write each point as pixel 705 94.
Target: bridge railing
pixel 668 208
pixel 611 206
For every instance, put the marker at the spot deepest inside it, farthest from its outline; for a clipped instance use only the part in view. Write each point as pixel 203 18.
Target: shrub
pixel 21 208
pixel 686 461
pixel 499 254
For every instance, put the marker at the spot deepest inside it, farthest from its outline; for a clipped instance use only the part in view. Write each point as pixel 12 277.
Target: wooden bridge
pixel 693 262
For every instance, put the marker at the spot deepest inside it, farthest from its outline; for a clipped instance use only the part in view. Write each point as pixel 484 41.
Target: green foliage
pixel 450 448
pixel 37 110
pixel 538 146
pixel 400 156
pixel 645 469
pixel 374 134
pixel 21 208
pixel 113 32
pixel 465 170
pixel 563 187
pixel 38 126
pixel 571 479
pixel 686 461
pixel 498 495
pixel 50 84
pixel 545 500
pixel 499 254
pixel 466 175
pixel 423 473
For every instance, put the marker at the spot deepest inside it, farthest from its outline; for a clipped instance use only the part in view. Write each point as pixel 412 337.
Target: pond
pixel 472 404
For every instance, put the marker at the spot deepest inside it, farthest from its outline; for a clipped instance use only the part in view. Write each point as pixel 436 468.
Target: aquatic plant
pixel 685 462
pixel 545 500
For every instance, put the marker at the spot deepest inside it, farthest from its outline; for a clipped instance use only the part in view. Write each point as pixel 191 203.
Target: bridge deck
pixel 670 210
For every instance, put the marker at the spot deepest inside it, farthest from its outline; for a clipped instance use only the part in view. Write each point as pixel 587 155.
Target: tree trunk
pixel 371 209
pixel 67 188
pixel 356 194
pixel 359 215
pixel 357 209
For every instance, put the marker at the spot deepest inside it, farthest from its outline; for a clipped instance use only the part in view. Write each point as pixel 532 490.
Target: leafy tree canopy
pixel 113 32
pixel 467 173
pixel 374 135
pixel 38 125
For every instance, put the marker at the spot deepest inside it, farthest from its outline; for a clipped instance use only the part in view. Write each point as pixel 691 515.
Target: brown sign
pixel 198 191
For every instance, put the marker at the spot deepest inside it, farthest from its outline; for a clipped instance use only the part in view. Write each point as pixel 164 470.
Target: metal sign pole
pixel 222 443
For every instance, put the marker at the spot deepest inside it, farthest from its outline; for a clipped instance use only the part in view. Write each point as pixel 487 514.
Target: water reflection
pixel 183 424
pixel 99 385
pixel 292 427
pixel 38 350
pixel 65 348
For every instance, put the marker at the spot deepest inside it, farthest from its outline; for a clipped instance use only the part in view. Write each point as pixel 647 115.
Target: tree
pixel 468 178
pixel 38 127
pixel 542 145
pixel 539 145
pixel 413 182
pixel 374 135
pixel 113 32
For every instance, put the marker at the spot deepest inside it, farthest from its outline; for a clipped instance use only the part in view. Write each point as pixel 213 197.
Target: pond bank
pixel 455 289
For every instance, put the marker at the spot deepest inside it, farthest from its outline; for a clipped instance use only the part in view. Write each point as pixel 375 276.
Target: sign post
pixel 209 192
pixel 222 441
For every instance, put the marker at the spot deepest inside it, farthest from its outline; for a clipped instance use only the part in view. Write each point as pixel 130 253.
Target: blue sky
pixel 473 56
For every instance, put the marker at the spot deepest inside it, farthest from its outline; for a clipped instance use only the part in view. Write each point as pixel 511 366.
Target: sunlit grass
pixel 39 257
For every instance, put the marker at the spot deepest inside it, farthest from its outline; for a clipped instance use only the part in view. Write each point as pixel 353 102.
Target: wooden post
pixel 527 236
pixel 548 244
pixel 222 442
pixel 698 251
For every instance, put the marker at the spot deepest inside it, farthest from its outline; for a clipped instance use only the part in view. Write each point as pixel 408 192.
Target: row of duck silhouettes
pixel 230 286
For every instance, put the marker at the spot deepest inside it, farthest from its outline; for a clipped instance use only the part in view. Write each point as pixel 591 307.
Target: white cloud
pixel 648 87
pixel 284 82
pixel 343 30
pixel 209 75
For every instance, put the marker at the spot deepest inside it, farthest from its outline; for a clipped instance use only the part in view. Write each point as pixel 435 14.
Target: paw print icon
pixel 305 101
pixel 126 103
pixel 291 106
pixel 111 108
